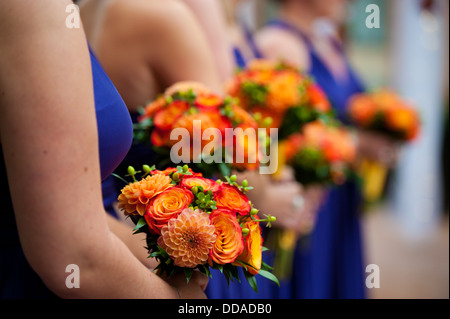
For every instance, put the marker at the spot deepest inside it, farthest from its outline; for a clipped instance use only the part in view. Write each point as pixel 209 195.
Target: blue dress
pixel 17 279
pixel 218 288
pixel 329 264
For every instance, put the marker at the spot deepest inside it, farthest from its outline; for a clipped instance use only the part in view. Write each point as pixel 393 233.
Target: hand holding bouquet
pixel 195 223
pixel 383 112
pixel 281 92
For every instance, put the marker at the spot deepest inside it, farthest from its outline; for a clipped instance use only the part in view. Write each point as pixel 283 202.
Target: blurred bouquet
pixel 385 112
pixel 320 154
pixel 204 117
pixel 281 92
pixel 192 222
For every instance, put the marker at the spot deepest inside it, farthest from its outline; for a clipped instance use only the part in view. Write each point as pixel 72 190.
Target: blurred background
pixel 406 232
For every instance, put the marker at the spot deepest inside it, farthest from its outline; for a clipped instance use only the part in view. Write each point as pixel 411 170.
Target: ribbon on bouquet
pixel 374 175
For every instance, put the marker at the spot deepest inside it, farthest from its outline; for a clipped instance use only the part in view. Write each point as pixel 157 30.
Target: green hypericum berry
pixel 245 231
pixel 254 211
pixel 185 168
pixel 245 183
pixel 233 178
pixel 194 190
pixel 267 121
pixel 131 170
pixel 176 176
pixel 146 168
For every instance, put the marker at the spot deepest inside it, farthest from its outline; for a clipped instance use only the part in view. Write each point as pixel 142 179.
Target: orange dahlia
pixel 166 206
pixel 135 197
pixel 188 238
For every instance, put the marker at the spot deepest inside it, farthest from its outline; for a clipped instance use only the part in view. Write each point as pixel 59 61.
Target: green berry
pixel 131 170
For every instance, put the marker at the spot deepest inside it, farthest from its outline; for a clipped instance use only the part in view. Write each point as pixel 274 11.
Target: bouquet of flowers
pixel 192 222
pixel 321 154
pixel 193 125
pixel 385 112
pixel 281 92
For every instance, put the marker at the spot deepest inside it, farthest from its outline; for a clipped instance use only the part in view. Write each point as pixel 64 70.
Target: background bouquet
pixel 279 91
pixel 193 222
pixel 384 112
pixel 181 107
pixel 320 154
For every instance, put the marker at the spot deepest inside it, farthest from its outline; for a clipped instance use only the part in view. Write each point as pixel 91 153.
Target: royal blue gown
pixel 330 263
pixel 218 288
pixel 115 132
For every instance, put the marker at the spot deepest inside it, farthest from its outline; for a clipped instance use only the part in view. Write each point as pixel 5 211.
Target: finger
pixel 201 279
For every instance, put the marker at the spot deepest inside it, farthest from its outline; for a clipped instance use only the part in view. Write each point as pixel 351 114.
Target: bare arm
pixel 211 18
pixel 49 138
pixel 177 48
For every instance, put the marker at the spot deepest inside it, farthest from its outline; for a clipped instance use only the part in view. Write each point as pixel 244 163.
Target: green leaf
pixel 224 168
pixel 268 275
pixel 265 249
pixel 251 280
pixel 188 272
pixel 141 223
pixel 266 266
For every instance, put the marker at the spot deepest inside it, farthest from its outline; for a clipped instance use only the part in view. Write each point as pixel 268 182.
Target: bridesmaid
pixel 274 198
pixel 63 128
pixel 141 48
pixel 332 264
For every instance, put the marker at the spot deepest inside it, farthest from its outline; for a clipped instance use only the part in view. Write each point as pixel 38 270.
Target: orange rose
pixel 189 181
pixel 171 170
pixel 317 98
pixel 135 196
pixel 167 205
pixel 253 245
pixel 241 116
pixel 245 147
pixel 402 119
pixel 165 118
pixel 160 138
pixel 208 101
pixel 362 109
pixel 231 198
pixel 185 86
pixel 229 243
pixel 284 92
pixel 155 106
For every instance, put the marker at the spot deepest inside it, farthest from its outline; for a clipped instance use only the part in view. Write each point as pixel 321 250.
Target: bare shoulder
pixel 151 16
pixel 276 43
